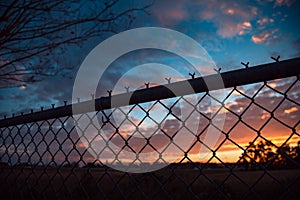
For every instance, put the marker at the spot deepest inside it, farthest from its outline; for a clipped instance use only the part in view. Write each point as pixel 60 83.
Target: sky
pixel 230 31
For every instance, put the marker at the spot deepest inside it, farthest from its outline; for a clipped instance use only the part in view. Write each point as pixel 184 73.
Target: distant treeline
pixel 259 155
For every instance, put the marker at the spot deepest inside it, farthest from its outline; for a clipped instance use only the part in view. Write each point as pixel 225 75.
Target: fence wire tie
pixel 147 84
pixel 218 70
pixel 109 92
pixel 192 75
pixel 275 59
pixel 106 120
pixel 245 64
pixel 168 79
pixel 127 88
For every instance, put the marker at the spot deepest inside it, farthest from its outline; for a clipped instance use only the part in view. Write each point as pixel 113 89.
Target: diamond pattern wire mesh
pixel 49 159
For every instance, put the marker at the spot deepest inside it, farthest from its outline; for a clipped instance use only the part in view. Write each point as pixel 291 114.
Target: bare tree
pixel 35 35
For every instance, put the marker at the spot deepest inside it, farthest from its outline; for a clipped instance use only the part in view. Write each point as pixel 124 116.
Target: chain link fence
pixel 256 154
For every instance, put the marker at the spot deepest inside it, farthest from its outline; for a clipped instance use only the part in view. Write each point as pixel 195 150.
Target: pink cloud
pixel 264 21
pixel 207 14
pixel 284 2
pixel 267 36
pixel 230 18
pixel 168 15
pixel 230 29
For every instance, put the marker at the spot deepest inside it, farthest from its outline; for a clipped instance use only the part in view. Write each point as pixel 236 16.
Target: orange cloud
pixel 265 20
pixel 267 36
pixel 229 28
pixel 264 115
pixel 231 19
pixel 273 84
pixel 290 110
pixel 230 11
pixel 260 38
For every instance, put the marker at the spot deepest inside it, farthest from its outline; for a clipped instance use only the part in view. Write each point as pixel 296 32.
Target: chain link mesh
pixel 256 155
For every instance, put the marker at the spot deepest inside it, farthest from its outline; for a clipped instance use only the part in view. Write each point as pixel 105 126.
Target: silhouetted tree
pixel 34 35
pixel 265 153
pixel 297 152
pixel 71 165
pixel 289 156
pixel 92 165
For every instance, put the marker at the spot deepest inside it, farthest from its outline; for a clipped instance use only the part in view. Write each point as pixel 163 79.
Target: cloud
pixel 260 38
pixel 229 29
pixel 283 2
pixel 291 110
pixel 267 37
pixel 169 15
pixel 230 18
pixel 215 9
pixel 262 22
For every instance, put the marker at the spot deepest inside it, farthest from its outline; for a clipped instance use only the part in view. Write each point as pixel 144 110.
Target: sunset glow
pixel 152 99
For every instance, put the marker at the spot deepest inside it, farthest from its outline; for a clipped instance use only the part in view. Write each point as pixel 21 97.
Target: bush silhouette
pixel 264 154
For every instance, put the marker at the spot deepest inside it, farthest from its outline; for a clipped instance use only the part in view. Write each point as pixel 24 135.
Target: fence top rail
pixel 245 76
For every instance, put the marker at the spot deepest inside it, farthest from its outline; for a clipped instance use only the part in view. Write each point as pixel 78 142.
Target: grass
pixel 93 183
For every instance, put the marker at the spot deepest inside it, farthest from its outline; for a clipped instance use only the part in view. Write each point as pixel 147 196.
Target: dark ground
pixel 93 183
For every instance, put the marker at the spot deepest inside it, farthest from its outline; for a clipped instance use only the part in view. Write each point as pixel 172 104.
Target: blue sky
pixel 230 31
pixel 236 30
